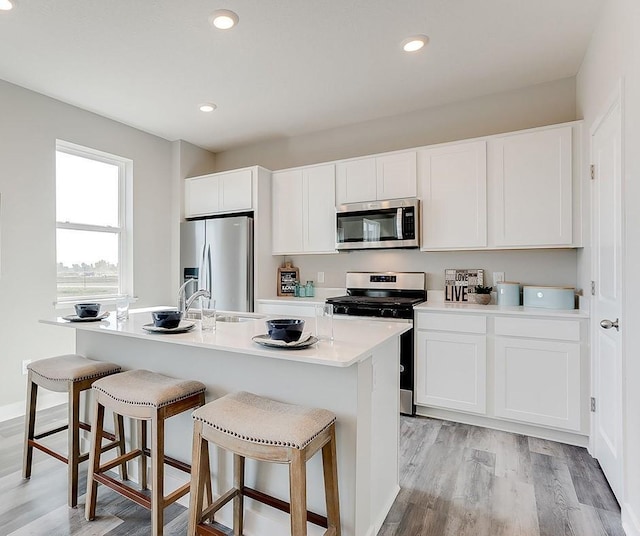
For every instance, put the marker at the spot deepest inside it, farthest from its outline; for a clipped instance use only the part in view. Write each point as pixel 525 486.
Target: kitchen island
pixel 355 376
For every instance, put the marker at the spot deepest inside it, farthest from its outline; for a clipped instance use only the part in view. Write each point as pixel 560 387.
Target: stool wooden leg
pixel 94 460
pixel 30 426
pixel 142 459
pixel 118 426
pixel 238 500
pixel 157 474
pixel 199 453
pixel 330 469
pixel 298 492
pixel 73 444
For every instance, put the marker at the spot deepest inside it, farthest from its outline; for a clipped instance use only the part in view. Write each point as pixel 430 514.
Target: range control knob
pixel 341 309
pixel 387 313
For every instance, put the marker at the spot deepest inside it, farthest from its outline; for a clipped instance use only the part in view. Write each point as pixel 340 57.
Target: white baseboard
pixel 630 521
pixel 47 399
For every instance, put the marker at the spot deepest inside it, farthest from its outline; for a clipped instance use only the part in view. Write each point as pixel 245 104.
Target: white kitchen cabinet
pixel 391 176
pixel 304 210
pixel 452 183
pixel 450 366
pixel 537 371
pixel 531 188
pixel 218 193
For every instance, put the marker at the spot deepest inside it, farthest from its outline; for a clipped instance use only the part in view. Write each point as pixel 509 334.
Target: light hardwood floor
pixel 457 480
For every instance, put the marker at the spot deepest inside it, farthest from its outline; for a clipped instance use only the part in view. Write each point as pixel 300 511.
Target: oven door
pixel 384 224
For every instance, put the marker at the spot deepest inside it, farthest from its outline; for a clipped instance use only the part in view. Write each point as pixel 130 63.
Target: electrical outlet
pixel 498 277
pixel 25 362
pixel 320 278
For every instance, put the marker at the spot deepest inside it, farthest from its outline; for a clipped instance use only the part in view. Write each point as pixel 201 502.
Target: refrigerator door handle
pixel 201 267
pixel 209 280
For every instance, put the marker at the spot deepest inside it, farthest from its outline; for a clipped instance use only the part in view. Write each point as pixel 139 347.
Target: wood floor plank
pixel 513 508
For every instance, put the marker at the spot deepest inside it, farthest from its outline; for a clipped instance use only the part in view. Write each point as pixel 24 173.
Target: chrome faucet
pixel 183 304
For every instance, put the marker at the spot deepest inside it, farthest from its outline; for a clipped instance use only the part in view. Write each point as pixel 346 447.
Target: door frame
pixel 616 98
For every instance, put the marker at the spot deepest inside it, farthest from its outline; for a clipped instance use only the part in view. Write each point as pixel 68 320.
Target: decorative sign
pixel 287 277
pixel 458 284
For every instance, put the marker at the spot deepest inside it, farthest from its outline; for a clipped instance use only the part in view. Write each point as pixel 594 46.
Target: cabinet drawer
pixel 446 322
pixel 538 328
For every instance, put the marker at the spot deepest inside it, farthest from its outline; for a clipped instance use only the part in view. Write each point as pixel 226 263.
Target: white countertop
pixel 492 309
pixel 354 340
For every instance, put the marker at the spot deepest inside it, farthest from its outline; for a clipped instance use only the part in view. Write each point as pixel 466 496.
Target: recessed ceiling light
pixel 414 43
pixel 6 5
pixel 223 19
pixel 207 107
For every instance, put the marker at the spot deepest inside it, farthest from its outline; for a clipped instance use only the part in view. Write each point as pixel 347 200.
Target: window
pixel 91 223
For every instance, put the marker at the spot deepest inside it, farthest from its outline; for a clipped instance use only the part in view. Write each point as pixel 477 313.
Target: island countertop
pixel 354 340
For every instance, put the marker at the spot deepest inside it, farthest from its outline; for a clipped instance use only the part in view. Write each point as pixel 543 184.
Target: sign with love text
pixel 458 284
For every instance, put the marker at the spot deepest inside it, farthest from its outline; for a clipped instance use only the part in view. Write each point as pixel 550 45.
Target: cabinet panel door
pixel 533 188
pixel 356 181
pixel 201 196
pixel 538 382
pixel 287 212
pixel 396 176
pixel 319 209
pixel 451 371
pixel 453 188
pixel 235 191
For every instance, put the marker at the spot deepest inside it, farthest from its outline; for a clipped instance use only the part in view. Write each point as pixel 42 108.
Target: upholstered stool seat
pixel 72 374
pixel 251 426
pixel 144 396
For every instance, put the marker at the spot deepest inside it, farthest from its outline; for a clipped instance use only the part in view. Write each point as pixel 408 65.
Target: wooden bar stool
pixel 71 374
pixel 145 396
pixel 254 427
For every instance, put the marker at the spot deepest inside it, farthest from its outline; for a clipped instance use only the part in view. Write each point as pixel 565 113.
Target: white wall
pixel 29 126
pixel 544 104
pixel 614 55
pixel 535 106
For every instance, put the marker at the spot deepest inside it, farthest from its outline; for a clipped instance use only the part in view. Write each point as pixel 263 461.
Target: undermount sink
pixel 225 317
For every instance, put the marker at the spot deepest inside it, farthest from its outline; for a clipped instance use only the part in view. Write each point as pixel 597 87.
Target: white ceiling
pixel 291 66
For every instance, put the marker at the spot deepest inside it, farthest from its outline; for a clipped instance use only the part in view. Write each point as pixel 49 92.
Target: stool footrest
pixel 119 461
pixel 208 530
pixel 124 490
pixel 220 502
pixel 51 432
pixel 173 462
pixel 46 450
pixel 283 506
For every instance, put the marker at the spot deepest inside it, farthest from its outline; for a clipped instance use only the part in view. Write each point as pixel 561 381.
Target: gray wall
pixel 29 126
pixel 553 102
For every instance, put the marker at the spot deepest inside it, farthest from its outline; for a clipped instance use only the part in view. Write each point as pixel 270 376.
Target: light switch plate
pixel 498 277
pixel 320 278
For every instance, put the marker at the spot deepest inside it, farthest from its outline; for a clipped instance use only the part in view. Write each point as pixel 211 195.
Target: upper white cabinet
pixel 218 193
pixel 390 176
pixel 532 188
pixel 452 184
pixel 304 210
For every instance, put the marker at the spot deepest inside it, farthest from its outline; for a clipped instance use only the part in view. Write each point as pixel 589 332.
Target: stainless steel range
pixel 392 296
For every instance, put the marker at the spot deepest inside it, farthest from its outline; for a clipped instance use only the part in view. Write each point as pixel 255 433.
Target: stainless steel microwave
pixel 378 224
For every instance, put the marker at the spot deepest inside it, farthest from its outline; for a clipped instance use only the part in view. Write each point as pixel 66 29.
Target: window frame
pixel 123 230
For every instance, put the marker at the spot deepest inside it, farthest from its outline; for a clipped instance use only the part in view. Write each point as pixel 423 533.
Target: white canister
pixel 508 293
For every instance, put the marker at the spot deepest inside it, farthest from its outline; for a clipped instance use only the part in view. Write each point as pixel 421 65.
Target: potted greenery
pixel 483 294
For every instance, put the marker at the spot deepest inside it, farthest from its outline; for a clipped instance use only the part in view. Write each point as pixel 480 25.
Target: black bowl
pixel 87 310
pixel 285 329
pixel 168 319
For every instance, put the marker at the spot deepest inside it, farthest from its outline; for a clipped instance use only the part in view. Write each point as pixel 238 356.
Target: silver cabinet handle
pixel 608 324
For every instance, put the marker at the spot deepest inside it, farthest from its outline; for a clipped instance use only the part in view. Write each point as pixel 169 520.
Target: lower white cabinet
pixel 530 370
pixel 451 370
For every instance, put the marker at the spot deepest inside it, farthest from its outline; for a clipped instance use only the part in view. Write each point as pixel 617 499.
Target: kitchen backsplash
pixel 536 267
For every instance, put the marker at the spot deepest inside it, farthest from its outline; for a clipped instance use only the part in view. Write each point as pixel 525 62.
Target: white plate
pixel 76 318
pixel 181 328
pixel 305 341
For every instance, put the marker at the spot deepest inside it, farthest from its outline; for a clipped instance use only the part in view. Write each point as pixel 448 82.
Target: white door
pixel 606 156
pixel 356 181
pixel 396 176
pixel 319 218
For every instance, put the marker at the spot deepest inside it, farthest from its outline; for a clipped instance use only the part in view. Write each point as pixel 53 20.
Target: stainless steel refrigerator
pixel 219 253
